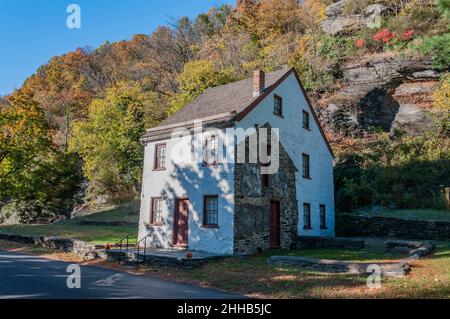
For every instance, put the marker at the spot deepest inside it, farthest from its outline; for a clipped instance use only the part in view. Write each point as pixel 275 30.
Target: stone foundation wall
pixel 85 250
pixel 252 206
pixel 356 226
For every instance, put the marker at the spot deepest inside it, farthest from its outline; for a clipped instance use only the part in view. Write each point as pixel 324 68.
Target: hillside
pixel 376 72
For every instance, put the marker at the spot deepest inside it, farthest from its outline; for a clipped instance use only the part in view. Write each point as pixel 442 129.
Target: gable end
pixel 270 89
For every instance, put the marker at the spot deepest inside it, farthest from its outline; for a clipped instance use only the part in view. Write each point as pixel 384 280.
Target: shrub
pixel 384 36
pixel 406 172
pixel 408 35
pixel 438 47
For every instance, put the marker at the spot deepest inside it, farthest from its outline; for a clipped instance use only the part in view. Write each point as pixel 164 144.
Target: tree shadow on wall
pixel 194 181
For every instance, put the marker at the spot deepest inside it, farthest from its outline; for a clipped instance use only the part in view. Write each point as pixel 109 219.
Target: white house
pixel 200 193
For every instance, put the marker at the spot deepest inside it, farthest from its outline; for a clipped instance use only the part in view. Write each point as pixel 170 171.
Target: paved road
pixel 25 276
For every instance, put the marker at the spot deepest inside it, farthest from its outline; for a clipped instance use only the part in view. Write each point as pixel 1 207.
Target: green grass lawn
pixel 253 276
pixel 410 214
pixel 128 212
pixel 94 234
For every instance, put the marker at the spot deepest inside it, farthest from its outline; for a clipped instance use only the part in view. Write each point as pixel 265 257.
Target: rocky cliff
pixel 385 90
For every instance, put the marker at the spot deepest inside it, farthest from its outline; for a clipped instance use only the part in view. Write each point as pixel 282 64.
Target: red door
pixel 181 222
pixel 274 232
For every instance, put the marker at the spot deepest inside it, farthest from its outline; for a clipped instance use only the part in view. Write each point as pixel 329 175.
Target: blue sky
pixel 32 31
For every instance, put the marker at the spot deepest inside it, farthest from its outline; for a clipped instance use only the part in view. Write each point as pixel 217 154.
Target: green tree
pixel 108 141
pixel 24 141
pixel 196 77
pixel 438 47
pixel 36 179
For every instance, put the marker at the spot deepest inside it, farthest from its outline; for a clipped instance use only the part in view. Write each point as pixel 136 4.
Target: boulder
pixel 336 8
pixel 377 109
pixel 343 24
pixel 338 118
pixel 336 23
pixel 411 120
pixel 376 8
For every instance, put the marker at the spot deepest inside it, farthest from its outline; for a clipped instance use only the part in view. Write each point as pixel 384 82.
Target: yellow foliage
pixel 441 96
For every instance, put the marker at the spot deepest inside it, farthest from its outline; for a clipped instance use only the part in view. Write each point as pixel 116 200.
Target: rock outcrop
pixel 339 23
pixel 387 91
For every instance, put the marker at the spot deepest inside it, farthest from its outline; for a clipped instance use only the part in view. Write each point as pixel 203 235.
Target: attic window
pixel 305 120
pixel 278 106
pixel 211 150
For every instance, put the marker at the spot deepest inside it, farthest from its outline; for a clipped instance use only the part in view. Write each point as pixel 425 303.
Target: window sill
pixel 306 128
pixel 210 226
pixel 210 164
pixel 159 169
pixel 323 228
pixel 279 115
pixel 182 246
pixel 308 178
pixel 153 225
pixel 307 228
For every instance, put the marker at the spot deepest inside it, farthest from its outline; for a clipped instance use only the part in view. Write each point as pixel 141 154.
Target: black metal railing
pixel 138 244
pixel 120 243
pixel 124 241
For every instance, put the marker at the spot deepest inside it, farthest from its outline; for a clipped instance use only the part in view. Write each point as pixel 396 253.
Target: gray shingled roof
pixel 231 97
pixel 223 104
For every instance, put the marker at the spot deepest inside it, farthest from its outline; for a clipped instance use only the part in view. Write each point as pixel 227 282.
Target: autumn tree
pixel 109 140
pixel 35 178
pixel 196 77
pixel 24 140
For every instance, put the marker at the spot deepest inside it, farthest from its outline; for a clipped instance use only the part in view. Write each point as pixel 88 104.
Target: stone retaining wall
pixel 415 250
pixel 396 269
pixel 85 250
pixel 358 226
pixel 159 261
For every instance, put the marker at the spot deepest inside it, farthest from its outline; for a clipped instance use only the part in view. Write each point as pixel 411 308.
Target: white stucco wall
pixel 192 180
pixel 296 140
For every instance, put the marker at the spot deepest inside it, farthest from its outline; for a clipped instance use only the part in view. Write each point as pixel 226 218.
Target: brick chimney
pixel 259 82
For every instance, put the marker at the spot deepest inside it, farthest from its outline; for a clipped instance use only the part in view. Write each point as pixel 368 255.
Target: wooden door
pixel 274 232
pixel 181 222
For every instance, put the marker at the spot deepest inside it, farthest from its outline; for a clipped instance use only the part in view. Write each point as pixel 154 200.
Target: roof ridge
pixel 230 97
